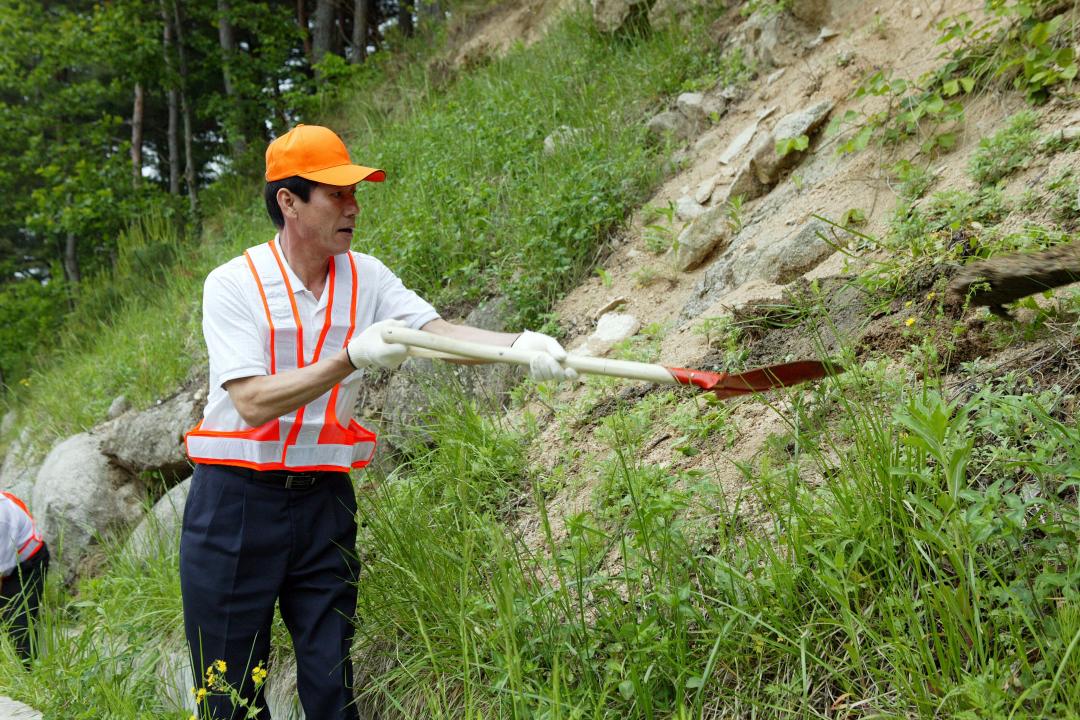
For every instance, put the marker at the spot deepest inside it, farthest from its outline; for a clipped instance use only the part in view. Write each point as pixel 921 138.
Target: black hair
pixel 298 186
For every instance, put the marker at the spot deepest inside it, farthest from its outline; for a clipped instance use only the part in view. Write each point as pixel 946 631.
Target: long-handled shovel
pixel 724 385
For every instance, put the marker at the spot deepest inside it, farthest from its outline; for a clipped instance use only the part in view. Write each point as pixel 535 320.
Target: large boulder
pixel 19 470
pixel 701 237
pixel 153 440
pixel 80 496
pixel 159 530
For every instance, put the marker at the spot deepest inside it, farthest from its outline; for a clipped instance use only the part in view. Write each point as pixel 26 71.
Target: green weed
pixel 1007 150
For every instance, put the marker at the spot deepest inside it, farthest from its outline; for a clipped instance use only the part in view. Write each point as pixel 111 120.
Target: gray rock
pixel 669 123
pixel 705 189
pixel 752 258
pixel 612 15
pixel 80 495
pixel 19 471
pixel 739 143
pixel 160 529
pixel 611 328
pixel 118 407
pixel 686 208
pixel 784 260
pixel 760 40
pixel 767 164
pixel 701 237
pixel 153 440
pixel 8 423
pixel 15 710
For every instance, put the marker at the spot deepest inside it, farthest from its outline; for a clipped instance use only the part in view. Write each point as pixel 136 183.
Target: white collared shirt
pixel 238 342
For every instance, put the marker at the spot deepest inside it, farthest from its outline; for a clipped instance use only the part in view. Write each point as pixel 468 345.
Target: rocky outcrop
pixel 768 162
pixel 159 530
pixel 153 439
pixel 79 496
pixel 613 15
pixel 756 259
pixel 699 239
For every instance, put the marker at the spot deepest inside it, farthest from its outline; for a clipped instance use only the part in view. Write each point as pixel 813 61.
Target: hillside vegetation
pixel 900 540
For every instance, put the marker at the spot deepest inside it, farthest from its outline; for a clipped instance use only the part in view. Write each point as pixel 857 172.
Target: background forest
pixel 115 111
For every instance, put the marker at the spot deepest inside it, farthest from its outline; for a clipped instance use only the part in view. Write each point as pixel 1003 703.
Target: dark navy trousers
pixel 247 543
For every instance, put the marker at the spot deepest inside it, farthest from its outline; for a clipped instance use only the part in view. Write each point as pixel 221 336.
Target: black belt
pixel 291 480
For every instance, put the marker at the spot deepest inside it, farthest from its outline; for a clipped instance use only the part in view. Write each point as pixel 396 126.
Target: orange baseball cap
pixel 316 153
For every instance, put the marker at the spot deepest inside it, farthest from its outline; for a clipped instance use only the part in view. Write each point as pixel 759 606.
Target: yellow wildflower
pixel 910 321
pixel 220 665
pixel 200 695
pixel 931 295
pixel 909 303
pixel 258 675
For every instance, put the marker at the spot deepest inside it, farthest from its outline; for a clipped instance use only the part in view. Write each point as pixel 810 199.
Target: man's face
pixel 326 221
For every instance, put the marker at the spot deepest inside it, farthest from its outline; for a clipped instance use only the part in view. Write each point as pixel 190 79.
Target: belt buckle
pixel 298 482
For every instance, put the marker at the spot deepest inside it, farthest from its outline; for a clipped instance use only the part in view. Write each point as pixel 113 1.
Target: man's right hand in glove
pixel 369 350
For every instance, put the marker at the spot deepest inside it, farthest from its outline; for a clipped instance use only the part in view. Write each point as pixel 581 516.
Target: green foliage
pixel 1064 191
pixel 792 144
pixel 913 180
pixel 1006 150
pixel 1011 41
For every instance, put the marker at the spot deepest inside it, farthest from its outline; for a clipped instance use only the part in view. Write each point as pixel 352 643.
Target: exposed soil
pixel 816 313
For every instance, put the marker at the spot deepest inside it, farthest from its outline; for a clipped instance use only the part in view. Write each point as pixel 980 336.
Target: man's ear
pixel 287 202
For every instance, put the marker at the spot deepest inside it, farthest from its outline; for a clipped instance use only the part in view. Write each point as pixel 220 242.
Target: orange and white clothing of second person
pixel 19 536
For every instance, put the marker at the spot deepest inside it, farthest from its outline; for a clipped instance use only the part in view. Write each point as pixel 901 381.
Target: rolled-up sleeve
pixel 234 339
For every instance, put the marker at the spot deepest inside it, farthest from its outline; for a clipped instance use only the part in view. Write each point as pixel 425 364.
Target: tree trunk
pixel 185 112
pixel 359 31
pixel 324 29
pixel 137 136
pixel 71 259
pixel 173 100
pixel 302 23
pixel 337 37
pixel 227 39
pixel 405 18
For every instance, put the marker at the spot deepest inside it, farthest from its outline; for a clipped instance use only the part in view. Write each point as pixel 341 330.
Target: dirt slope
pixel 675 307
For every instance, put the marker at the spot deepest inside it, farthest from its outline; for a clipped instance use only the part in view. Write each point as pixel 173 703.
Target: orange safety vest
pixel 31 540
pixel 310 438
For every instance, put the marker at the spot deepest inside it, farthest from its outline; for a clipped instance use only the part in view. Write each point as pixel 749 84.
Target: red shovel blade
pixel 727 385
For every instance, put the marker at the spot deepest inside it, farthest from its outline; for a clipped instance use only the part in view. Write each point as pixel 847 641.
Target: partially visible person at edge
pixel 290 326
pixel 24 560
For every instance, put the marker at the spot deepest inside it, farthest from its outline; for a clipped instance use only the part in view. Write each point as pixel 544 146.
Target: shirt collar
pixel 295 282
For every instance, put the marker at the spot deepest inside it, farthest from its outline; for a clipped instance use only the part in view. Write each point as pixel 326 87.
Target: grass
pixel 934 574
pixel 1007 150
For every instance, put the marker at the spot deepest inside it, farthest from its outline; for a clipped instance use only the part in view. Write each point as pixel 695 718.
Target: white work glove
pixel 367 350
pixel 549 353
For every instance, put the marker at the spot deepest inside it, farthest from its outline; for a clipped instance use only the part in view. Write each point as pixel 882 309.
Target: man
pixel 270 515
pixel 24 560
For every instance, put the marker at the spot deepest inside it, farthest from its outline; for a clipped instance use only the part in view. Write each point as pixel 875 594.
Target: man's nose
pixel 352 208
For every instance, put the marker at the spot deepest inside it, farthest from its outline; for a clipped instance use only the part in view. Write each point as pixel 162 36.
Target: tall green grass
pixel 934 572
